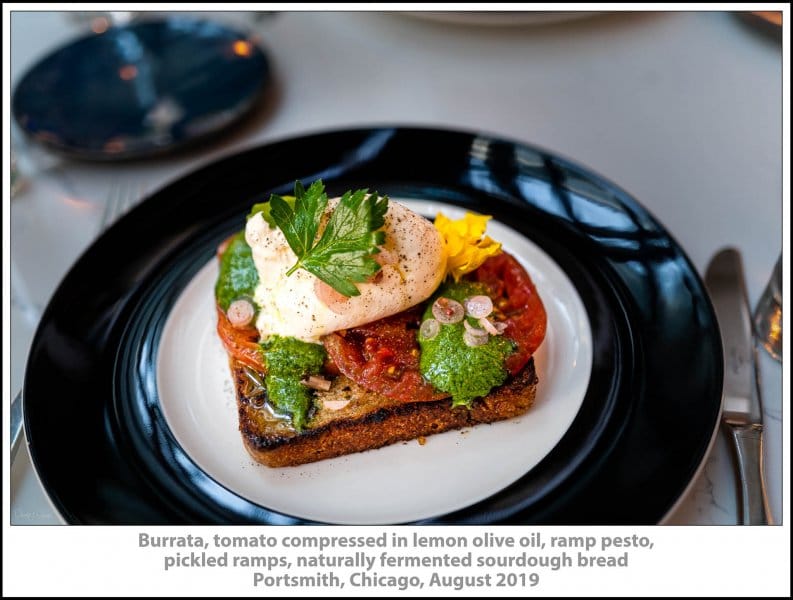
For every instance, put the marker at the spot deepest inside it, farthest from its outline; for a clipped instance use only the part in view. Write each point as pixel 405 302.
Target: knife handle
pixel 749 448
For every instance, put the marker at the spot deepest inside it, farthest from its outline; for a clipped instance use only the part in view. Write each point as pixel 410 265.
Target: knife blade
pixel 742 413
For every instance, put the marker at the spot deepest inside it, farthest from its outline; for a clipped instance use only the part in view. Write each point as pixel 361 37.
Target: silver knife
pixel 742 414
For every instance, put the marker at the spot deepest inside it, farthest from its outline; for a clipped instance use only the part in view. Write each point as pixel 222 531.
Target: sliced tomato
pixel 515 296
pixel 383 356
pixel 242 343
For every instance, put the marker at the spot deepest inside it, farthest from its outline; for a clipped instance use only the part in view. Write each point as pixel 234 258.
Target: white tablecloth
pixel 683 110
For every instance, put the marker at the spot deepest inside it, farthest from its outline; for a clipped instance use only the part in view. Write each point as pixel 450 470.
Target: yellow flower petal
pixel 465 247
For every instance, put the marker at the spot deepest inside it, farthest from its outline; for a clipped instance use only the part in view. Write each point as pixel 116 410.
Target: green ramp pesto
pixel 288 360
pixel 238 276
pixel 464 371
pixel 265 208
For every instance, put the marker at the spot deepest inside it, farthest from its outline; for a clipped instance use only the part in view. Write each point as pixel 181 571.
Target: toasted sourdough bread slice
pixel 368 421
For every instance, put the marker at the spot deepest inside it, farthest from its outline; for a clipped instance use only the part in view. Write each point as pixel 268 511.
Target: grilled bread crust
pixel 369 420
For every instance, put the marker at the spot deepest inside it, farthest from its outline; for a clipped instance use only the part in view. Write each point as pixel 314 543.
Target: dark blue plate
pixel 141 89
pixel 105 454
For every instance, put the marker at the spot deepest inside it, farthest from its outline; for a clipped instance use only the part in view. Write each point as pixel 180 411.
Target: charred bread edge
pixel 386 425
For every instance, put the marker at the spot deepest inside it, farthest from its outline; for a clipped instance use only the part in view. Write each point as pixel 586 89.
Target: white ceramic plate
pixel 399 483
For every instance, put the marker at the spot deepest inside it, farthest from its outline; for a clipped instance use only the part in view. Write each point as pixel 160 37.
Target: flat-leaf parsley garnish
pixel 342 256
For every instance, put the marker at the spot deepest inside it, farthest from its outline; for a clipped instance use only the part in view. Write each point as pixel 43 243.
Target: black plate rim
pixel 401 131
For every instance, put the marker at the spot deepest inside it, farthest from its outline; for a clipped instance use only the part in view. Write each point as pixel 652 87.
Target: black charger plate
pixel 141 89
pixel 105 454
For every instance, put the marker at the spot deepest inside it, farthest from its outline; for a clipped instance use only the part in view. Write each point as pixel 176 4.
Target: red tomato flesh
pixel 383 356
